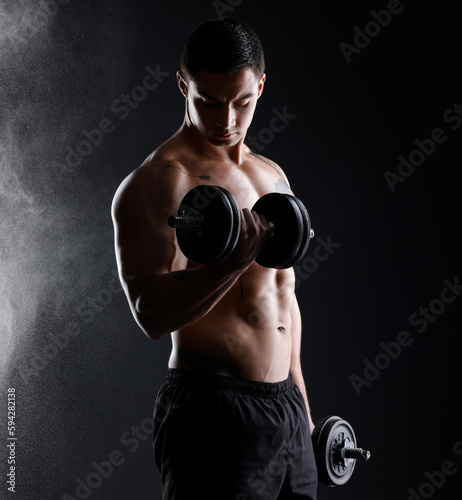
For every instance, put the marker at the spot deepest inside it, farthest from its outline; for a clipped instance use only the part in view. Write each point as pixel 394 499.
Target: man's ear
pixel 182 85
pixel 261 84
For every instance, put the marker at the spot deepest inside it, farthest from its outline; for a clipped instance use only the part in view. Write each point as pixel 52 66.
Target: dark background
pixel 81 394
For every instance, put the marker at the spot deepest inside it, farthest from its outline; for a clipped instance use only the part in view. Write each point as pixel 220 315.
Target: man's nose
pixel 227 117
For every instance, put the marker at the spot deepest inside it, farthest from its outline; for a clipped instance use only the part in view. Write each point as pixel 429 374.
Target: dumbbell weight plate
pixel 236 227
pixel 284 245
pixel 328 438
pixel 221 223
pixel 306 236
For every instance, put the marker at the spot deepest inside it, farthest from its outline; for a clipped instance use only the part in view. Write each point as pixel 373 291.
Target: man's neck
pixel 204 148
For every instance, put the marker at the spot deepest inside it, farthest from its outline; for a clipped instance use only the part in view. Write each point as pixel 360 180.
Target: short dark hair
pixel 222 46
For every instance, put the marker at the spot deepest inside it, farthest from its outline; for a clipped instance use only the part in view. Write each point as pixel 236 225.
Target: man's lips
pixel 223 136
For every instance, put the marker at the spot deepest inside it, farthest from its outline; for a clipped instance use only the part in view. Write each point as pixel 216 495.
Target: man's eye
pixel 209 104
pixel 243 105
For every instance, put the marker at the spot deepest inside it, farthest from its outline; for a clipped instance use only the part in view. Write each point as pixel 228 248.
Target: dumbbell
pixel 208 223
pixel 335 450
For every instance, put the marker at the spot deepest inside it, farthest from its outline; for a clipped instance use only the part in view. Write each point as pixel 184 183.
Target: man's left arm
pixel 295 364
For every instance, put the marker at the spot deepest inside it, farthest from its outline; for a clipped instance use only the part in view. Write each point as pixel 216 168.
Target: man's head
pixel 222 46
pixel 222 77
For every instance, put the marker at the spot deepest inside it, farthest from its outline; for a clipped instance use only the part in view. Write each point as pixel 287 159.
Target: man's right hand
pixel 253 237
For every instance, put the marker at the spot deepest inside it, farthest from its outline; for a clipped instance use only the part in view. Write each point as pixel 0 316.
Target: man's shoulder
pixel 268 162
pixel 281 181
pixel 154 179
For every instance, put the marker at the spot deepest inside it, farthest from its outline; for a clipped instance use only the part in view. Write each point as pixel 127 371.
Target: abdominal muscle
pixel 247 334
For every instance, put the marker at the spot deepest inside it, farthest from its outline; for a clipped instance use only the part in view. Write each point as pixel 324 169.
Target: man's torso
pixel 249 331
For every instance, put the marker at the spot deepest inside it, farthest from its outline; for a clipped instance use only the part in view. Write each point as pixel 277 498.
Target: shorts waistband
pixel 196 379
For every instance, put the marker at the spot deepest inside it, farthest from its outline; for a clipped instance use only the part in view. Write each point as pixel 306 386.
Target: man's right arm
pixel 163 294
pixel 174 300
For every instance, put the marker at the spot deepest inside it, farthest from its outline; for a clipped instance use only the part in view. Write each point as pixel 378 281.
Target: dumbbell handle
pixel 185 221
pixel 356 453
pixel 191 222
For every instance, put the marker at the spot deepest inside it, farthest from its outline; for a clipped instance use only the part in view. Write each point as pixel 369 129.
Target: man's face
pixel 221 106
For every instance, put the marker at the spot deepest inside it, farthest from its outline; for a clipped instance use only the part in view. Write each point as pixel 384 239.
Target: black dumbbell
pixel 208 223
pixel 335 450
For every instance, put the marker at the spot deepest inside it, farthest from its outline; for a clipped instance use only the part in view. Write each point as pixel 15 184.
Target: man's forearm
pixel 174 300
pixel 299 380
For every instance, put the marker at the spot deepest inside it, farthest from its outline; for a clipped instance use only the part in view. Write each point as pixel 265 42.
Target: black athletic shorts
pixel 222 438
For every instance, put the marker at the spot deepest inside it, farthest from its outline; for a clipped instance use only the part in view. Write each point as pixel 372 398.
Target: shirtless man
pixel 232 420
